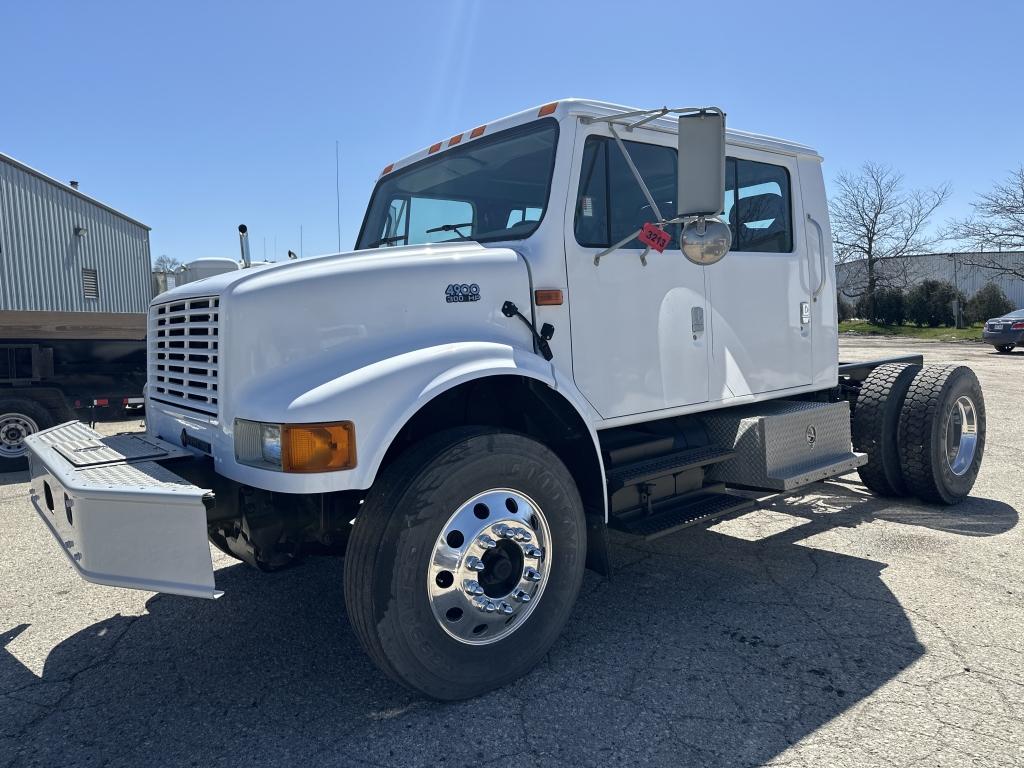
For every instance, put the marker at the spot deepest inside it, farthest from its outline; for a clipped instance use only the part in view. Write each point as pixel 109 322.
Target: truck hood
pixel 286 330
pixel 332 262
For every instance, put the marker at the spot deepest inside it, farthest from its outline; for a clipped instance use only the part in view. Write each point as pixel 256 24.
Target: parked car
pixel 1005 332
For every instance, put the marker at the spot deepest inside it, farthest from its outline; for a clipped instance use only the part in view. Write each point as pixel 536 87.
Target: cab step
pixel 673 514
pixel 669 464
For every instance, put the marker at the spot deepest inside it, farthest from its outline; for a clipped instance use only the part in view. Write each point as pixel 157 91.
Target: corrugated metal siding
pixel 41 258
pixel 951 267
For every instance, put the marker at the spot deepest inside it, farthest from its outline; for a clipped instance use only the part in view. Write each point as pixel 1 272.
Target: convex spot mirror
pixel 704 238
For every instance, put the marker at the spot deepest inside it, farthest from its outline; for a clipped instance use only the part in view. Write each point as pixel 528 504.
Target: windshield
pixel 492 188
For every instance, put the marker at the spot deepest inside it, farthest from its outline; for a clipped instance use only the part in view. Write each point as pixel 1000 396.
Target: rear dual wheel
pixel 465 561
pixel 942 433
pixel 923 430
pixel 19 418
pixel 876 426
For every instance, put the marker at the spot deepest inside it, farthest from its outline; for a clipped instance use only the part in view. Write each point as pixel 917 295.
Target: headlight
pixel 322 447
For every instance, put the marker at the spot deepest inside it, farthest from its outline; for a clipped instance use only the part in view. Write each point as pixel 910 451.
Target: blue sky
pixel 194 117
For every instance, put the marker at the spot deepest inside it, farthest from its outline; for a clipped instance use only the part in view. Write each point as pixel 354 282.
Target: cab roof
pixel 591 108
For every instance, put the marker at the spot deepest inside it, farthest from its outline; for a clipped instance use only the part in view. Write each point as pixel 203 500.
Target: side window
pixel 610 204
pixel 757 206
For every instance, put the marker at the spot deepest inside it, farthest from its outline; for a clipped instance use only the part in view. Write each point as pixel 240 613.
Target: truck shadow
pixel 705 648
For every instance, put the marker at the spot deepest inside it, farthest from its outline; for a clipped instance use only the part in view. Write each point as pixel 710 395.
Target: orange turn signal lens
pixel 547 109
pixel 318 447
pixel 548 297
pixel 434 148
pixel 387 170
pixel 454 140
pixel 478 131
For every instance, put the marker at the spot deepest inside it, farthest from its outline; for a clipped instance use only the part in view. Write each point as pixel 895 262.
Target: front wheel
pixel 465 561
pixel 1005 349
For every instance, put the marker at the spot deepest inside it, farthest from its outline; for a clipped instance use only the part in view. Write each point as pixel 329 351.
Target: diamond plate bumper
pixel 120 518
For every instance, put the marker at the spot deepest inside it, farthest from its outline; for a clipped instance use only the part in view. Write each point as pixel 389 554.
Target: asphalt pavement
pixel 829 628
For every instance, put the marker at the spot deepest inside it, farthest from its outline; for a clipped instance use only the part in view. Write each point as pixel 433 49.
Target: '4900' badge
pixel 456 292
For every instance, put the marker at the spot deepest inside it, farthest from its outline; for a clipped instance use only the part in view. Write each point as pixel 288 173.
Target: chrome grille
pixel 184 352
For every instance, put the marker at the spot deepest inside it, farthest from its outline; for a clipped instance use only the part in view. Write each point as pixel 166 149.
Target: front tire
pixel 467 503
pixel 942 433
pixel 1005 349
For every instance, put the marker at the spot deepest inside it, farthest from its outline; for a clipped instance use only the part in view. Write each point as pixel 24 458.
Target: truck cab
pixel 577 317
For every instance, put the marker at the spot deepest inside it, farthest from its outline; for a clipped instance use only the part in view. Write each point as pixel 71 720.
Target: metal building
pixel 966 271
pixel 61 251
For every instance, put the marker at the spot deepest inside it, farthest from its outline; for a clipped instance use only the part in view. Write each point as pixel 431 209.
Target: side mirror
pixel 704 239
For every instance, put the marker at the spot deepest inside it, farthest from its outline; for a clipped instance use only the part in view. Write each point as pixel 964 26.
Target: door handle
pixel 821 257
pixel 696 321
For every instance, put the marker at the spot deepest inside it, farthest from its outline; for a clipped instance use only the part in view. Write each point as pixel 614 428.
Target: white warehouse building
pixel 960 269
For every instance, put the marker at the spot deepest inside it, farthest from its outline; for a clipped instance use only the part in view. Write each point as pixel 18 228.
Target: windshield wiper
pixel 386 241
pixel 451 228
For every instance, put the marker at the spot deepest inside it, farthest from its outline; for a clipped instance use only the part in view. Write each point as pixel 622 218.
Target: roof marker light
pixel 478 131
pixel 388 169
pixel 547 109
pixel 434 148
pixel 454 140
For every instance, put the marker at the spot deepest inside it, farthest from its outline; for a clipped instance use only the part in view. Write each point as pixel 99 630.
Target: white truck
pixel 575 318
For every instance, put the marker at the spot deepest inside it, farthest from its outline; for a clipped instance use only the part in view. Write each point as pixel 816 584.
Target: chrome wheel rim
pixel 489 566
pixel 14 428
pixel 961 435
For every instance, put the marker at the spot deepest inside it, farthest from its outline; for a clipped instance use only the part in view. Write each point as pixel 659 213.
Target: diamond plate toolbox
pixel 784 444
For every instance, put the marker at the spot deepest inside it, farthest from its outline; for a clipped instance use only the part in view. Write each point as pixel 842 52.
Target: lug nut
pixel 532 551
pixel 505 608
pixel 486 606
pixel 475 564
pixel 472 588
pixel 504 531
pixel 486 542
pixel 531 574
pixel 521 595
pixel 522 535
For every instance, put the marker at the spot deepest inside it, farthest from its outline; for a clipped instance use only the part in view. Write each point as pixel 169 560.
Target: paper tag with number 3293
pixel 653 237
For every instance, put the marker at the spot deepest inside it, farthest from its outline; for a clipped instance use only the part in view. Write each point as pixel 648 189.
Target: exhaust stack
pixel 243 242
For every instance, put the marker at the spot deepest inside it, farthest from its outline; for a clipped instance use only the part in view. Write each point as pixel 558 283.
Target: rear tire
pixel 394 588
pixel 876 419
pixel 19 418
pixel 1005 349
pixel 942 433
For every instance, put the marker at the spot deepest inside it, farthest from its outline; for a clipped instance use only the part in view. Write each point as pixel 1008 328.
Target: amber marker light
pixel 548 297
pixel 434 148
pixel 387 170
pixel 454 140
pixel 318 447
pixel 547 109
pixel 477 132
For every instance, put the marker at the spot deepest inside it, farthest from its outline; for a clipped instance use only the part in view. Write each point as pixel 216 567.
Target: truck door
pixel 639 338
pixel 759 293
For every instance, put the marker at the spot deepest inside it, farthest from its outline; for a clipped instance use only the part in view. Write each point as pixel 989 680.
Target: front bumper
pixel 121 518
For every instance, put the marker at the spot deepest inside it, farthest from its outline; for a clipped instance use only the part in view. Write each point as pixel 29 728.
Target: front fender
pixel 379 398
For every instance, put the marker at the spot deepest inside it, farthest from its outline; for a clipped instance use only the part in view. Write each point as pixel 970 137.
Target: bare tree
pixel 996 224
pixel 165 263
pixel 875 221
